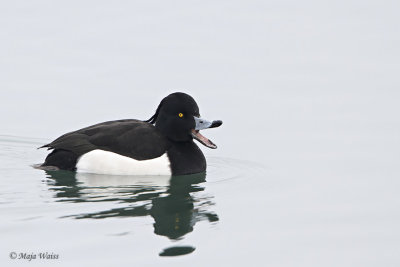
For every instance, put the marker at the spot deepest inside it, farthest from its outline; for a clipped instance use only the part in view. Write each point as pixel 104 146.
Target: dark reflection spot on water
pixel 120 234
pixel 176 203
pixel 177 251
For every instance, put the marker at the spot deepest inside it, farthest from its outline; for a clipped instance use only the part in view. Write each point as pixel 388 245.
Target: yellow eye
pixel 180 115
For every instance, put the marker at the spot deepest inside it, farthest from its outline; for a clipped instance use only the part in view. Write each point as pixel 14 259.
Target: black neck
pixel 186 158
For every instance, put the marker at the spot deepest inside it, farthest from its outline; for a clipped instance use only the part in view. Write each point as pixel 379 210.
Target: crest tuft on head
pixel 153 118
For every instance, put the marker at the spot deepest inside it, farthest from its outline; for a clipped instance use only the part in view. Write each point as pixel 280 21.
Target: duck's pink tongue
pixel 202 139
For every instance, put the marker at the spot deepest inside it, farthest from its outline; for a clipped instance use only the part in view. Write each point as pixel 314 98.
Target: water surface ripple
pixel 175 204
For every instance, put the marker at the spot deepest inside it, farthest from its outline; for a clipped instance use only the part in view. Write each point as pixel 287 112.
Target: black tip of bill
pixel 216 124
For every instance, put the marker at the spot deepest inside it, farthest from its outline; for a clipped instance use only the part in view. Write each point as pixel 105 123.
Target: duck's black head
pixel 178 118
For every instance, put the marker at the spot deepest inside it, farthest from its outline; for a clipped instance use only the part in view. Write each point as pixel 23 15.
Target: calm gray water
pixel 307 167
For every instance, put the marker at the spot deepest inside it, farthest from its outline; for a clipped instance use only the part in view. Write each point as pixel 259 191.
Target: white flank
pixel 105 162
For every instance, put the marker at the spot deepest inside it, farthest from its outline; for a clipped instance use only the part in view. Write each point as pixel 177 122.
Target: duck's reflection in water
pixel 176 203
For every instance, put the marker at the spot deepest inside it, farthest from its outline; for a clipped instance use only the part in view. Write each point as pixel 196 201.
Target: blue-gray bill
pixel 202 124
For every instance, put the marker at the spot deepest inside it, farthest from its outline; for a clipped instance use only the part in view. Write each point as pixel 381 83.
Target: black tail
pixel 62 159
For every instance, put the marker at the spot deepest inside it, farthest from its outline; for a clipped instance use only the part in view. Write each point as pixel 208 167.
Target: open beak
pixel 202 124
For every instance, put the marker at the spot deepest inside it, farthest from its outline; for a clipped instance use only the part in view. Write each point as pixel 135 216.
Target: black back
pixel 132 138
